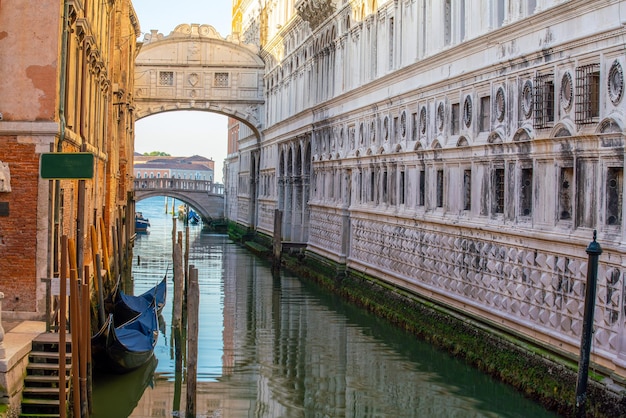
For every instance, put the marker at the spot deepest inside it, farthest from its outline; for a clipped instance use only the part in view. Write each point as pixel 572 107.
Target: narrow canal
pixel 278 346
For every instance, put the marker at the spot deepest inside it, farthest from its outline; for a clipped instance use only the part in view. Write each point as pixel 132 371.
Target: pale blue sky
pixel 184 133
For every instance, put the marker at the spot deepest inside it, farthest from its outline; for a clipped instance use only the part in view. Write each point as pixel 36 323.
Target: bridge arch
pixel 203 196
pixel 194 68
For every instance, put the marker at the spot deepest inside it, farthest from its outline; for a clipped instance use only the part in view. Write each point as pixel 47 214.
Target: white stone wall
pixel 465 150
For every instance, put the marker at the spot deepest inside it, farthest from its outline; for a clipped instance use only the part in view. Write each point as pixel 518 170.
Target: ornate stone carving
pixel 567 91
pixel 500 104
pixel 527 99
pixel 616 82
pixel 315 11
pixel 467 111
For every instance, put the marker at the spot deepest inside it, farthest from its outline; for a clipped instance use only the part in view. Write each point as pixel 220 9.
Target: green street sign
pixel 66 165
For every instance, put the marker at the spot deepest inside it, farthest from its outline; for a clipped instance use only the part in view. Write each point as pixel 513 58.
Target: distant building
pixel 192 168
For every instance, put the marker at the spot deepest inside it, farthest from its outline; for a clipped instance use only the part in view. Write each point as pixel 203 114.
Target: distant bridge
pixel 205 197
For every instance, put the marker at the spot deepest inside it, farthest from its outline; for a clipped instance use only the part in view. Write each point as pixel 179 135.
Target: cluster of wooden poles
pixel 79 292
pixel 186 300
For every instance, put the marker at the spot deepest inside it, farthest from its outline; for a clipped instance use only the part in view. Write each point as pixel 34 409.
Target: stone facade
pixel 464 151
pixel 66 87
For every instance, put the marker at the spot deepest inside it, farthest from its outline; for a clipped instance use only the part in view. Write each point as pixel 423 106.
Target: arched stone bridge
pixel 194 68
pixel 205 197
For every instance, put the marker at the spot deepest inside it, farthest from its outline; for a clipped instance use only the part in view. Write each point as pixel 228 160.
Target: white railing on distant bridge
pixel 178 185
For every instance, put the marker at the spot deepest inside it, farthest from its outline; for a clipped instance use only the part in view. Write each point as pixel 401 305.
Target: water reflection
pixel 275 346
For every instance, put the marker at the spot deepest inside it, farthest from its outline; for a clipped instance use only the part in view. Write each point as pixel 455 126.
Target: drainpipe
pixel 62 92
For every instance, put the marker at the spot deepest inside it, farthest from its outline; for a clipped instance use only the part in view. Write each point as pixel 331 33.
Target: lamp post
pixel 593 250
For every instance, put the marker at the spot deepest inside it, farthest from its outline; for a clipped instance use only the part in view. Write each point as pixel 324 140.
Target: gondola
pixel 128 346
pixel 125 307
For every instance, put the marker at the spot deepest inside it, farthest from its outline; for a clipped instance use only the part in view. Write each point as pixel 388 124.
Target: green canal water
pixel 278 346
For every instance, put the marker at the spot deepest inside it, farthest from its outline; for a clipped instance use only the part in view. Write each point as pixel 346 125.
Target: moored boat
pixel 141 224
pixel 128 346
pixel 125 307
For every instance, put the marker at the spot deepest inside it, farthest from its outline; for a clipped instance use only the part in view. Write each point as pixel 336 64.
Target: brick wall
pixel 18 231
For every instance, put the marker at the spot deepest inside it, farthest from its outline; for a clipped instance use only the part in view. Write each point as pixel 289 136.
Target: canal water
pixel 278 346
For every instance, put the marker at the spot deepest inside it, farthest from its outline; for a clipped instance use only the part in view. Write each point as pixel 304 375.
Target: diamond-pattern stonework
pixel 521 284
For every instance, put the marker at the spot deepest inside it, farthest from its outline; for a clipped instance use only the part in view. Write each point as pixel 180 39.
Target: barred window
pixel 221 80
pixel 467 190
pixel 439 188
pixel 454 118
pixel 402 188
pixel 587 93
pixel 422 189
pixel 485 114
pixel 544 101
pixel 566 192
pixel 526 192
pixel 385 196
pixel 166 78
pixel 498 190
pixel 614 180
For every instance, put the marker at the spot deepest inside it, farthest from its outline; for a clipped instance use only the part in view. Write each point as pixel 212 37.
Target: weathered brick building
pixel 65 80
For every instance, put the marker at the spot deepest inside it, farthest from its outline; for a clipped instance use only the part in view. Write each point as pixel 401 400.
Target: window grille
pixel 526 192
pixel 422 188
pixel 385 187
pixel 614 180
pixel 454 118
pixel 221 80
pixel 485 114
pixel 587 94
pixel 467 190
pixel 566 193
pixel 166 78
pixel 498 190
pixel 544 101
pixel 439 188
pixel 402 188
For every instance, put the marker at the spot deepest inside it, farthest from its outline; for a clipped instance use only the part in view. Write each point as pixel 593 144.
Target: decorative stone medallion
pixel 567 91
pixel 616 82
pixel 500 104
pixel 423 120
pixel 467 111
pixel 527 99
pixel 440 116
pixel 403 124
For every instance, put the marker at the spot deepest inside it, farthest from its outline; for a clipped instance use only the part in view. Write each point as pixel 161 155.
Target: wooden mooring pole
pixel 62 311
pixel 193 302
pixel 75 323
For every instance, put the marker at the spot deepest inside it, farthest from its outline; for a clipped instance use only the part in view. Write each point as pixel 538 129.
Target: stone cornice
pixel 28 128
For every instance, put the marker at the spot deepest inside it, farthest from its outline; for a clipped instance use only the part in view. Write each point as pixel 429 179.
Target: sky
pixel 184 133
